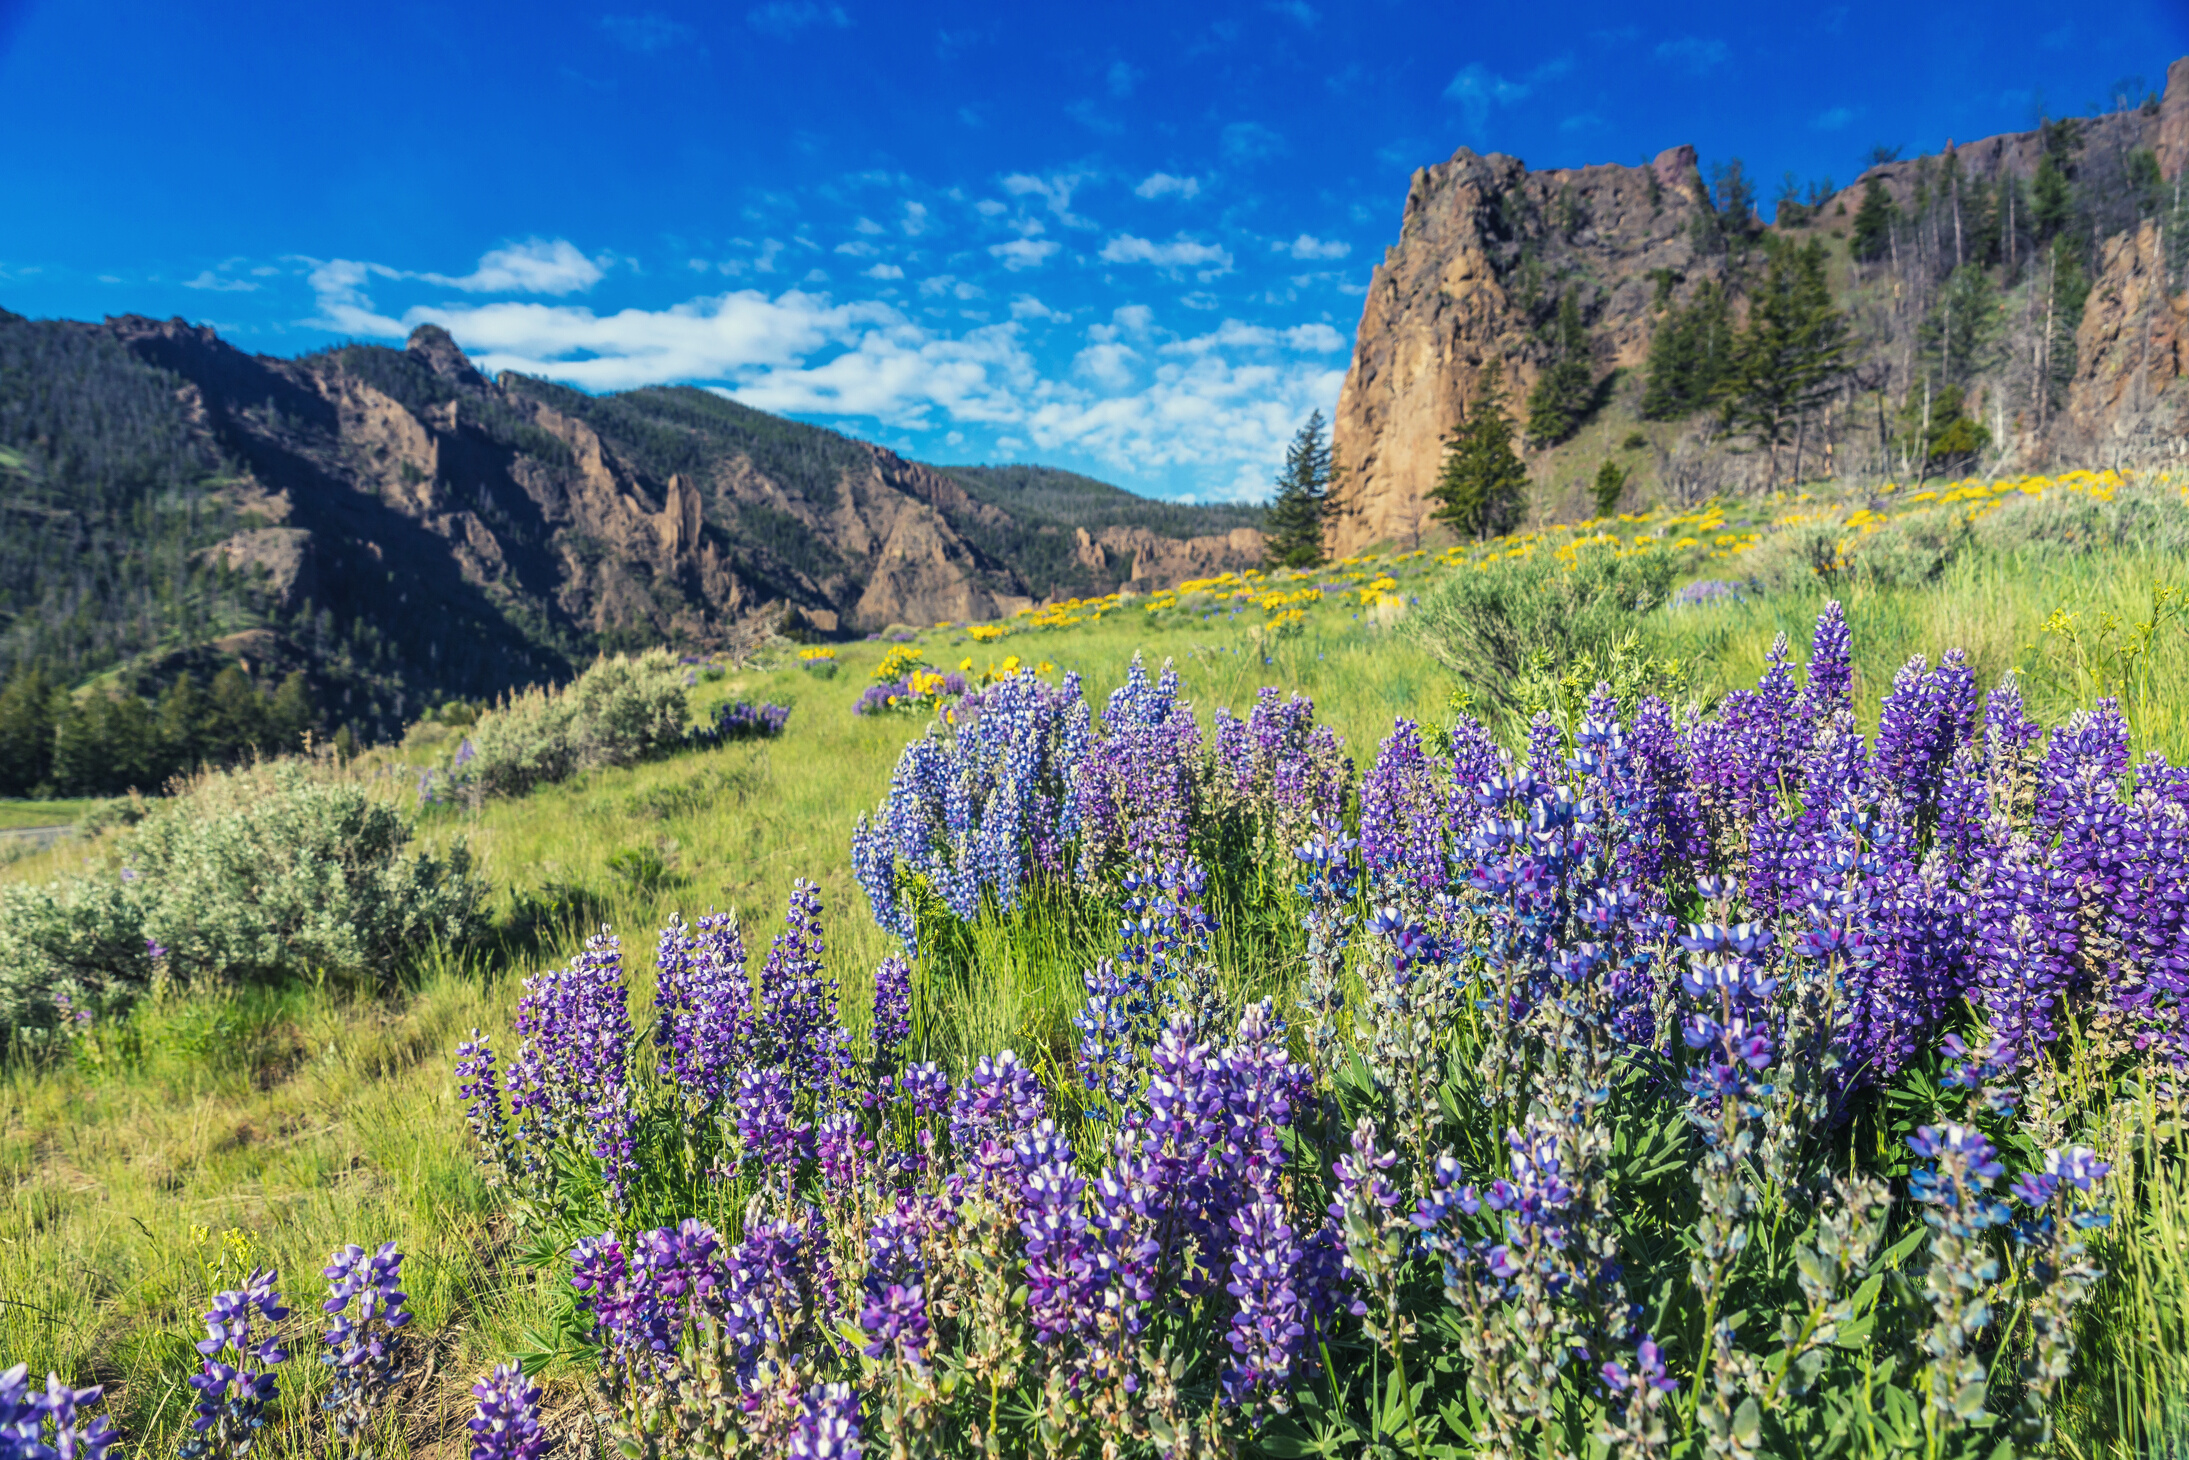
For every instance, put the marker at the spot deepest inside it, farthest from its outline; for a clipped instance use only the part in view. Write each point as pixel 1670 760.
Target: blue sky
pixel 1130 239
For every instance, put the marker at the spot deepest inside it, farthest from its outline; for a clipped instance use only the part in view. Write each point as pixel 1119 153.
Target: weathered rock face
pixel 1465 285
pixel 1159 562
pixel 1486 247
pixel 505 529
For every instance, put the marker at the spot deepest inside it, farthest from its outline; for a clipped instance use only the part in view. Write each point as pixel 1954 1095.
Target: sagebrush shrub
pixel 621 710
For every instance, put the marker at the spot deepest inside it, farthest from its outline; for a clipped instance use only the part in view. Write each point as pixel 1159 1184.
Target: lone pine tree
pixel 1483 486
pixel 1294 526
pixel 1561 400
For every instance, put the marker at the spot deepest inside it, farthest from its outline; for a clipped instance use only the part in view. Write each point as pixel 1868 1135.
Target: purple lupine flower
pixel 232 1395
pixel 44 1424
pixel 1060 1274
pixel 1280 767
pixel 1956 1187
pixel 569 1083
pixel 768 1131
pixel 2025 934
pixel 740 720
pixel 480 1089
pixel 1829 689
pixel 1405 818
pixel 364 1349
pixel 1136 787
pixel 2076 1168
pixel 1928 715
pixel 1002 1098
pixel 828 1424
pixel 892 1011
pixel 798 1028
pixel 705 1025
pixel 505 1422
pixel 1270 1323
pixel 1649 1362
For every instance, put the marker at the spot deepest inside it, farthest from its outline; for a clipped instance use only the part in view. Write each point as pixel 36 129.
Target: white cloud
pixel 1023 253
pixel 1235 334
pixel 1833 119
pixel 1133 319
pixel 867 226
pixel 785 18
pixel 1026 306
pixel 1307 246
pixel 1123 78
pixel 1055 191
pixel 990 208
pixel 1180 253
pixel 1110 364
pixel 915 221
pixel 1697 53
pixel 1163 185
pixel 646 33
pixel 1580 122
pixel 535 266
pixel 858 248
pixel 885 271
pixel 1251 142
pixel 208 280
pixel 1477 88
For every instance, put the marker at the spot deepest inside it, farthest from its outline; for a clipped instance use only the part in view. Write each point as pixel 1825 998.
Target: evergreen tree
pixel 1689 356
pixel 1958 331
pixel 1294 525
pixel 2050 205
pixel 1870 237
pixel 1938 432
pixel 185 738
pixel 26 732
pixel 1610 485
pixel 236 722
pixel 1792 352
pixel 1483 486
pixel 292 713
pixel 1563 397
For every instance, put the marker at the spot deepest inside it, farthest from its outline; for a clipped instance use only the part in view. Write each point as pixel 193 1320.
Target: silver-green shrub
pixel 253 875
pixel 620 710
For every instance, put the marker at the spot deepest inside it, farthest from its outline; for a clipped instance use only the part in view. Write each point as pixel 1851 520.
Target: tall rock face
pixel 1487 248
pixel 438 533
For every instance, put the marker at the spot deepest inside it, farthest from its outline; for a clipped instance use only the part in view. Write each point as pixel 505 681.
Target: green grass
pixel 15 815
pixel 309 1118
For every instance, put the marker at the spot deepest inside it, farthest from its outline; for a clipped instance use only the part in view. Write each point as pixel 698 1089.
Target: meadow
pixel 213 1129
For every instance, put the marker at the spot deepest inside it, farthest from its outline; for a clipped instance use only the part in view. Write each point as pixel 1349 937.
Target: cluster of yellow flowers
pixel 818 651
pixel 898 663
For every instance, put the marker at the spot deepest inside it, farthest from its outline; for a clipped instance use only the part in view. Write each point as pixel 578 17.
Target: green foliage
pixel 1295 522
pixel 1869 238
pixel 1690 356
pixel 2051 202
pixel 620 710
pixel 1483 486
pixel 26 732
pixel 1957 334
pixel 1566 393
pixel 108 740
pixel 1609 486
pixel 259 875
pixel 1489 624
pixel 1793 351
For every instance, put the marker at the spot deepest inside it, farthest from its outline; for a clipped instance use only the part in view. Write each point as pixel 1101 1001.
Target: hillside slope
pixel 2069 242
pixel 404 529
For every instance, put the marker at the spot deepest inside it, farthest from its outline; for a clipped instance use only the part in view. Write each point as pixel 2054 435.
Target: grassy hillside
pixel 220 1129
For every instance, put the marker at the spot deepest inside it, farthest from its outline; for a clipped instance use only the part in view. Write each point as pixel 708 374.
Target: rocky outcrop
pixel 1150 562
pixel 1486 248
pixel 1482 243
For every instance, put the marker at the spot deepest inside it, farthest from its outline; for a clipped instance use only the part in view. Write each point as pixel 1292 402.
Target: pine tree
pixel 1294 525
pixel 26 732
pixel 1610 485
pixel 1792 353
pixel 1561 400
pixel 1483 486
pixel 1960 326
pixel 292 713
pixel 1689 356
pixel 185 740
pixel 1870 236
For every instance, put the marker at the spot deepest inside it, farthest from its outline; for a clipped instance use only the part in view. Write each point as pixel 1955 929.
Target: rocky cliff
pixel 1487 248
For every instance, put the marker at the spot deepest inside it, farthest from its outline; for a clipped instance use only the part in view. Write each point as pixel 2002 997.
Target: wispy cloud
pixel 1698 54
pixel 211 281
pixel 1477 88
pixel 646 33
pixel 1164 185
pixel 1023 253
pixel 785 18
pixel 1580 122
pixel 1834 119
pixel 1307 246
pixel 1251 142
pixel 535 266
pixel 1210 259
pixel 1123 78
pixel 1299 12
pixel 1055 191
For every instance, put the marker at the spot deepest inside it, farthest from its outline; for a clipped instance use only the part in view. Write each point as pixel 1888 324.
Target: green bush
pixel 1492 624
pixel 619 711
pixel 254 875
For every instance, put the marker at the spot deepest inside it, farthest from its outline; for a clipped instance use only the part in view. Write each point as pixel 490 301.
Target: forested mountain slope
pixel 404 530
